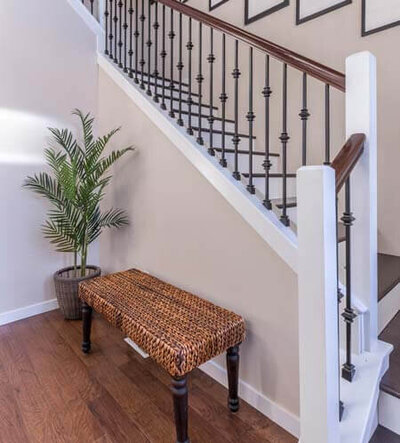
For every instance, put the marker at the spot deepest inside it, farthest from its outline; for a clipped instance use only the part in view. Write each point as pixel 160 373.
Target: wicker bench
pixel 179 330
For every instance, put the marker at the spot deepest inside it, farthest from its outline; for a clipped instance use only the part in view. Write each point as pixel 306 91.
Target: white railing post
pixel 318 305
pixel 361 118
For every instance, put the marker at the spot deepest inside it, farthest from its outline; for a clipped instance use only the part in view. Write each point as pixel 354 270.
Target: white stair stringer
pixel 389 412
pixel 280 238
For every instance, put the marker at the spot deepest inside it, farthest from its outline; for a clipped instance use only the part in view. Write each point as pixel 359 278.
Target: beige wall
pixel 183 231
pixel 330 39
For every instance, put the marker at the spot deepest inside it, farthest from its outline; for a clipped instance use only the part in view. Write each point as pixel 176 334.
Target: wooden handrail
pixel 304 64
pixel 347 159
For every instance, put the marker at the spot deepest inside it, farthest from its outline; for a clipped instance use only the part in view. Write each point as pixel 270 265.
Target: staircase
pixel 238 107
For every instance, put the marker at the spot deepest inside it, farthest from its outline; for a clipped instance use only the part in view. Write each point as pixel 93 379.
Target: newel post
pixel 361 118
pixel 318 312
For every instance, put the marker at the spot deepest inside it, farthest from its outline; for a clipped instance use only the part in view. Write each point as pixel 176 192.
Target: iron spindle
pixel 116 31
pixel 189 47
pixel 142 60
pixel 327 126
pixel 156 73
pixel 304 115
pixel 125 26
pixel 250 118
pixel 284 138
pixel 106 30
pixel 236 139
pixel 136 41
pixel 171 82
pixel 180 68
pixel 211 61
pixel 149 44
pixel 130 53
pixel 348 369
pixel 267 162
pixel 120 44
pixel 223 98
pixel 163 55
pixel 111 36
pixel 200 80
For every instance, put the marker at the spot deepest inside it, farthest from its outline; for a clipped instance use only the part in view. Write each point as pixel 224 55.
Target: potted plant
pixel 75 188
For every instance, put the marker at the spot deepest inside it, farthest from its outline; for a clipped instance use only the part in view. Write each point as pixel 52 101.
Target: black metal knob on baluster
pixel 171 36
pixel 115 31
pixel 211 60
pixel 304 116
pixel 189 47
pixel 223 99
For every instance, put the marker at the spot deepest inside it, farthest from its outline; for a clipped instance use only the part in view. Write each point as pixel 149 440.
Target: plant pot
pixel 67 286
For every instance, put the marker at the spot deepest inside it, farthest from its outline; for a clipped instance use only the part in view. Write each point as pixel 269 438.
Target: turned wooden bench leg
pixel 180 395
pixel 86 326
pixel 232 364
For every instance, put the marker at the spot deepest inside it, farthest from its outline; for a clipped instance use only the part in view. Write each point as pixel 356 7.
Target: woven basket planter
pixel 67 285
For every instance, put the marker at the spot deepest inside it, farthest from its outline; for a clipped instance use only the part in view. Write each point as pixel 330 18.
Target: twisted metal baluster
pixel 267 162
pixel 211 119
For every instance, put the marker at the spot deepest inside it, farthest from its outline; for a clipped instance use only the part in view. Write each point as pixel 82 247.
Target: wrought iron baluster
pixel 180 68
pixel 284 138
pixel 171 84
pixel 348 369
pixel 163 55
pixel 130 52
pixel 115 31
pixel 211 60
pixel 149 44
pixel 236 139
pixel 92 6
pixel 189 47
pixel 142 60
pixel 223 98
pixel 267 161
pixel 120 44
pixel 327 126
pixel 137 34
pixel 106 29
pixel 200 80
pixel 156 26
pixel 125 26
pixel 110 35
pixel 304 115
pixel 250 118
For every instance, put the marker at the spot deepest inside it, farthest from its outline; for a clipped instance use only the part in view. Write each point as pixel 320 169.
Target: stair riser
pixel 388 307
pixel 229 127
pixel 257 163
pixel 275 187
pixel 389 412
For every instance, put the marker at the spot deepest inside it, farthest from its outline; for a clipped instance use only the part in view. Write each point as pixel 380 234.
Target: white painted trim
pixel 90 21
pixel 28 311
pixel 361 118
pixel 287 420
pixel 388 307
pixel 280 238
pixel 389 412
pixel 318 313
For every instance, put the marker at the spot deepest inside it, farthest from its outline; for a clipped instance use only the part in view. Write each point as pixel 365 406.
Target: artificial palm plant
pixel 75 187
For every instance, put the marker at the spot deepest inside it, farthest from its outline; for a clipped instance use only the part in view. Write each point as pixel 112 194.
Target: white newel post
pixel 361 118
pixel 318 308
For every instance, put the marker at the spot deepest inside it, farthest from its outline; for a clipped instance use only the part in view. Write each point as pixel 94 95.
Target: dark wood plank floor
pixel 383 435
pixel 50 392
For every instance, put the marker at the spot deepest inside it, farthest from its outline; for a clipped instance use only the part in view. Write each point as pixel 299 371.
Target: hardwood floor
pixel 50 392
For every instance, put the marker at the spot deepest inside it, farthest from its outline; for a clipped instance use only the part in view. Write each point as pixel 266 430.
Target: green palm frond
pixel 75 188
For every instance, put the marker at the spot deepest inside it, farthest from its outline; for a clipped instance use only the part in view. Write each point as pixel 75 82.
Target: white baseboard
pixel 389 412
pixel 28 311
pixel 259 401
pixel 389 306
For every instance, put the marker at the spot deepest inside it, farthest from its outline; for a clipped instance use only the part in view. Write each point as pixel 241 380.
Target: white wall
pixel 48 68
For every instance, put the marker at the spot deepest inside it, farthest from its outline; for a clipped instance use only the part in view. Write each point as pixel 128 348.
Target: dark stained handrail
pixel 347 159
pixel 314 69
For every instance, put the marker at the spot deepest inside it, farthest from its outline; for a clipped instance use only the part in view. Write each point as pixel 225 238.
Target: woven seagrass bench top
pixel 179 330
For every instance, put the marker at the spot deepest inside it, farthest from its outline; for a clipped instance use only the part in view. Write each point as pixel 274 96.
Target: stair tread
pixel 391 380
pixel 383 435
pixel 388 273
pixel 196 115
pixel 176 99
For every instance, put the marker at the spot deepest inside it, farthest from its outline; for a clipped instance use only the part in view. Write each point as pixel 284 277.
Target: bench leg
pixel 232 364
pixel 86 326
pixel 180 395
